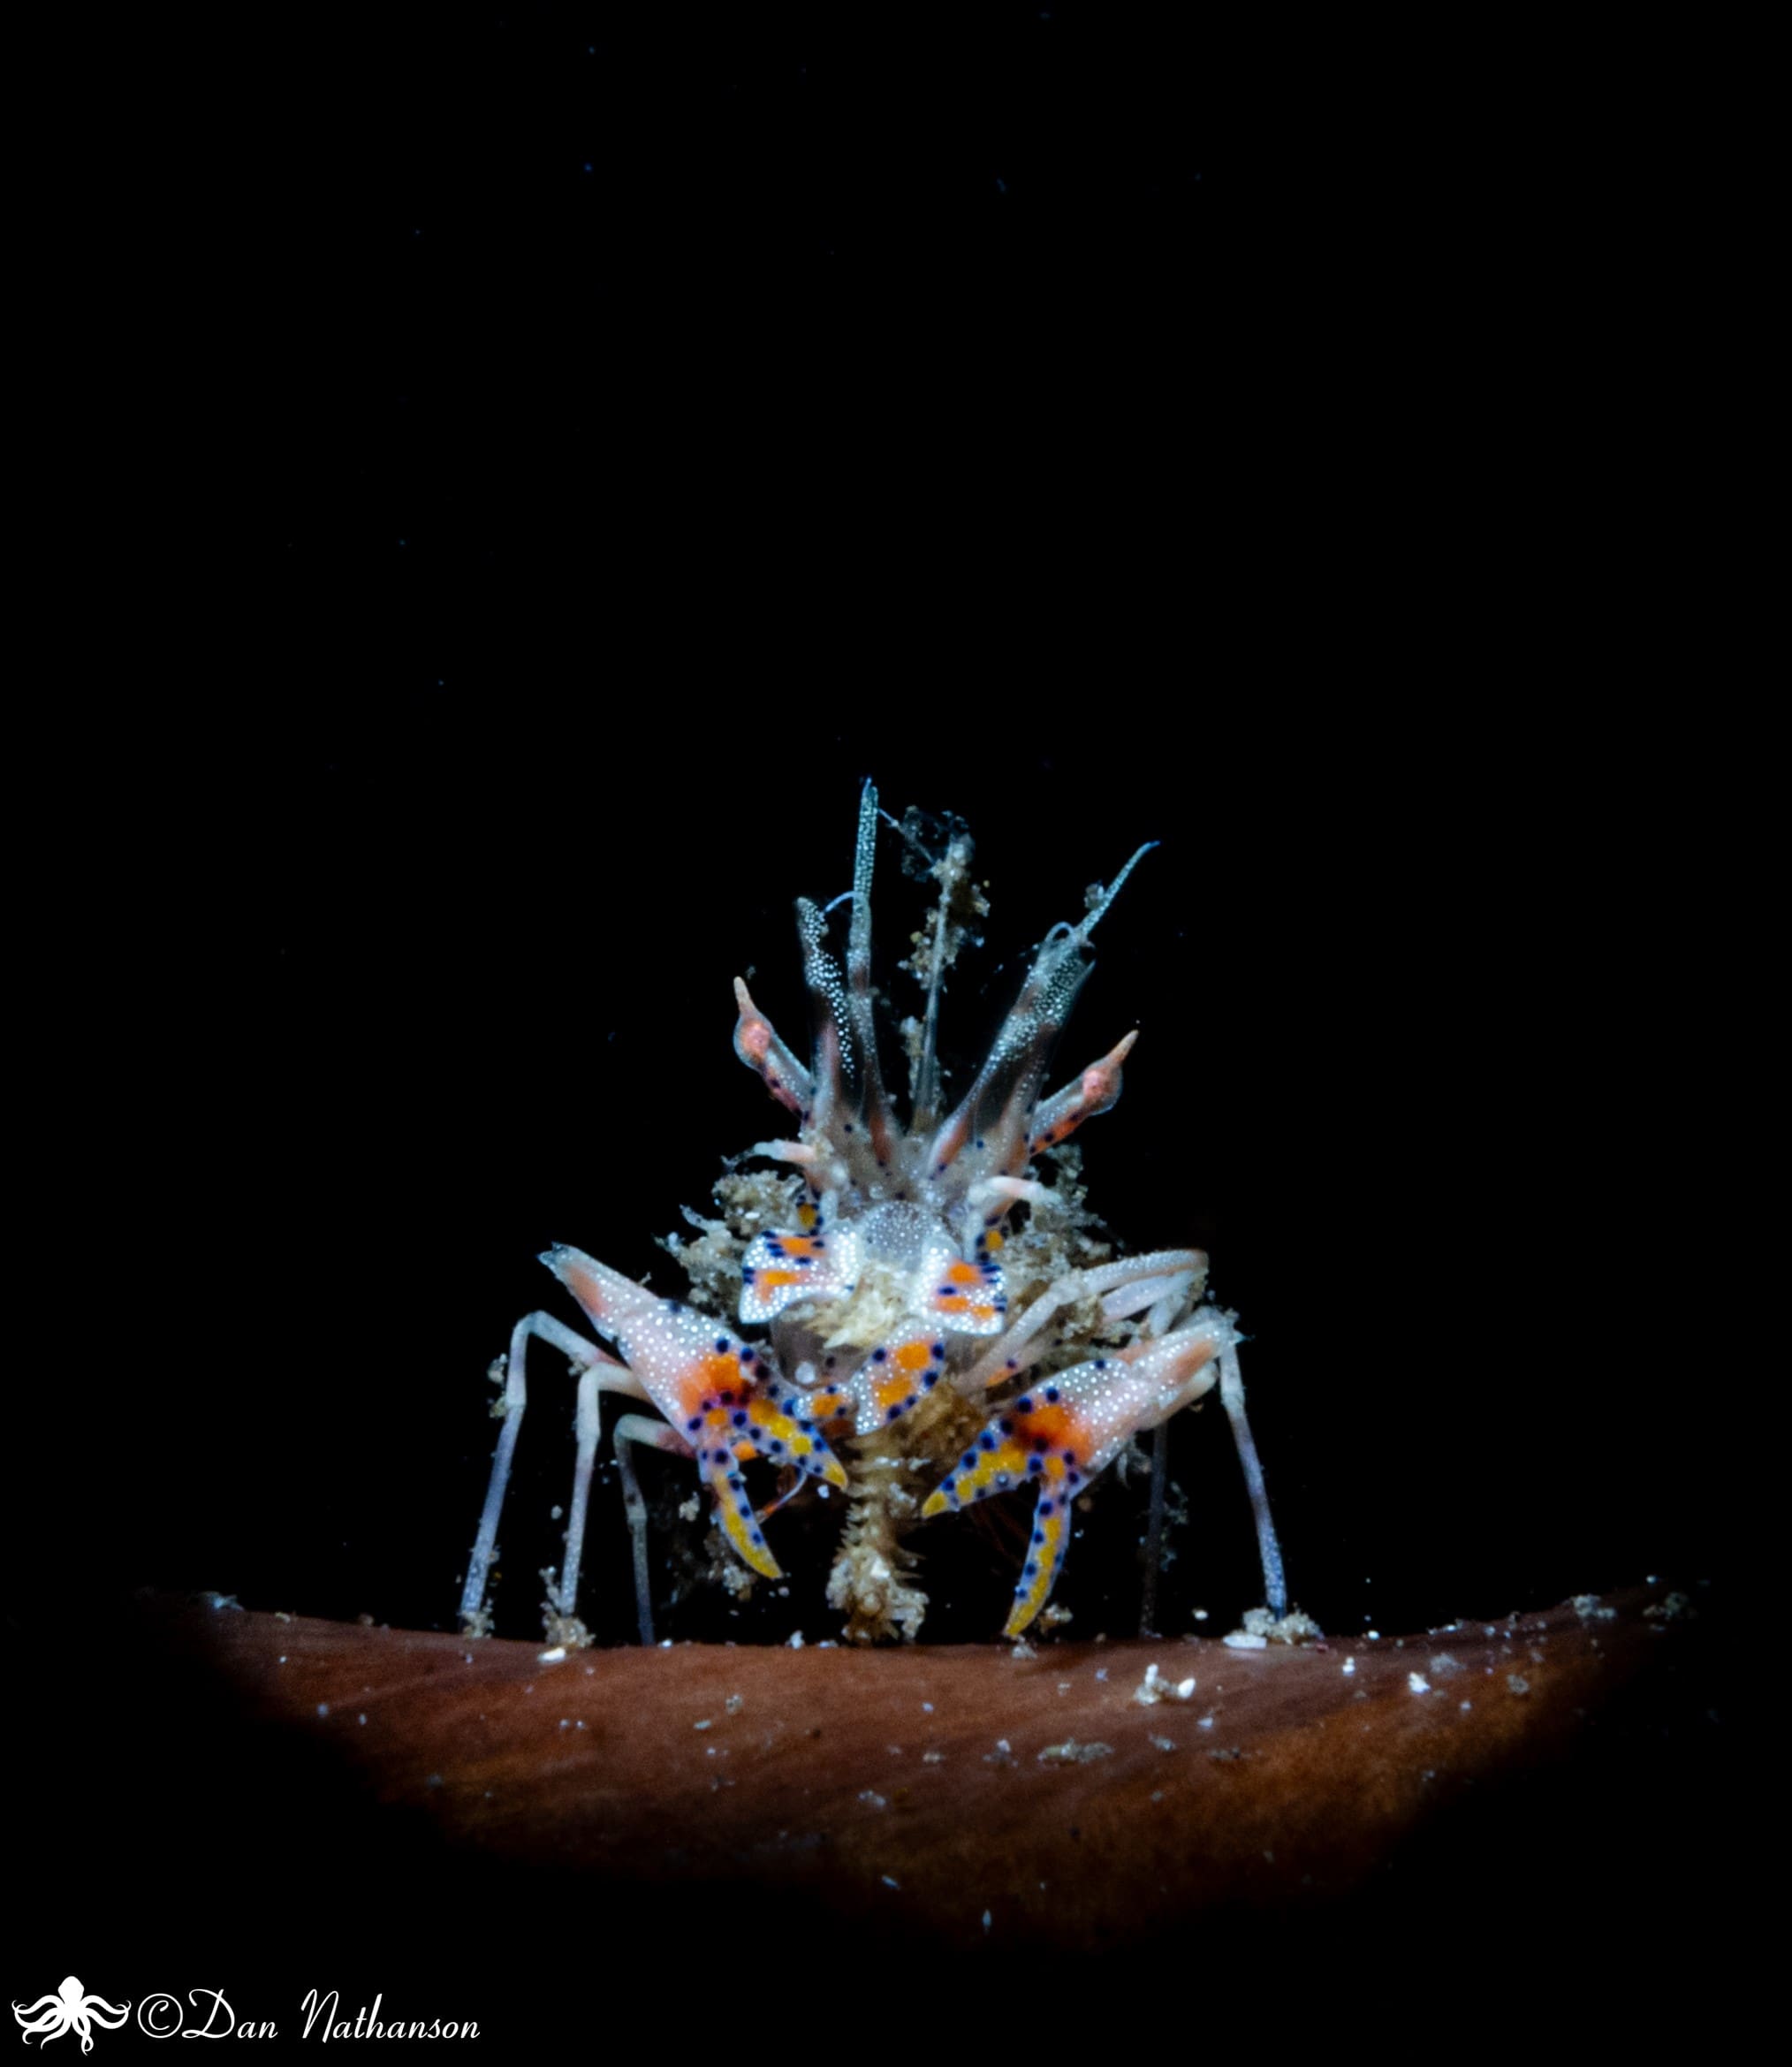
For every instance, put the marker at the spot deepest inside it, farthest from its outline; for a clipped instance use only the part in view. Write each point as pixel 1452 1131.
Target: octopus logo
pixel 70 2009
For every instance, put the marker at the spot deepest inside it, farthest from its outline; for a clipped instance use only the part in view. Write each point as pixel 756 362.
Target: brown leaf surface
pixel 924 1788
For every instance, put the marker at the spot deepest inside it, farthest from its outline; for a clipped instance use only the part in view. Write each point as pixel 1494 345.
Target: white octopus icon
pixel 70 2009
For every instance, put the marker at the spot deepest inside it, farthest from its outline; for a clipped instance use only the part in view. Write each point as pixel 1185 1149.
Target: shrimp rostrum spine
pixel 902 1318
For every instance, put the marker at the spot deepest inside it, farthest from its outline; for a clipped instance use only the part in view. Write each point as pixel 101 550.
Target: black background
pixel 456 984
pixel 560 458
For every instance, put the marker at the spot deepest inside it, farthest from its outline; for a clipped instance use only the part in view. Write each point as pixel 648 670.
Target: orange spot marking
pixel 994 1239
pixel 763 1278
pixel 1062 1428
pixel 892 1388
pixel 951 1302
pixel 1057 1425
pixel 708 1375
pixel 914 1356
pixel 963 1273
pixel 806 1217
